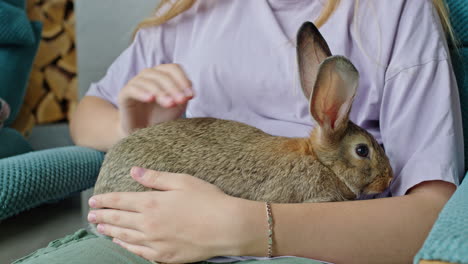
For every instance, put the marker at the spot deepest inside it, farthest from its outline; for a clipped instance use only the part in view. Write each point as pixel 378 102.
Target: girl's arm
pixel 146 88
pixel 389 230
pixel 95 124
pixel 153 96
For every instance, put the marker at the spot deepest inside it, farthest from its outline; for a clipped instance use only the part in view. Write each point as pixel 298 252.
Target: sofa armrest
pixel 448 240
pixel 34 178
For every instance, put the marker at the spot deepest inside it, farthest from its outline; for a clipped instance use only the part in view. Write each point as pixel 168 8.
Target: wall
pixel 104 30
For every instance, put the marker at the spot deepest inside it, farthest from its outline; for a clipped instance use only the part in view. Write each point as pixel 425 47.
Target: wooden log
pixel 49 110
pixel 72 90
pixel 58 81
pixel 69 26
pixel 65 44
pixel 30 4
pixel 35 91
pixel 50 29
pixel 25 121
pixel 55 10
pixel 35 12
pixel 51 50
pixel 34 2
pixel 71 109
pixel 68 62
pixel 52 89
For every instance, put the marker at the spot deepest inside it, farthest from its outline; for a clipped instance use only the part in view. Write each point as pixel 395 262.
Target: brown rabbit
pixel 337 162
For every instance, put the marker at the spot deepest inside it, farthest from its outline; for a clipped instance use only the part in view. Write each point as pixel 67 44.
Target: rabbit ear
pixel 334 90
pixel 312 49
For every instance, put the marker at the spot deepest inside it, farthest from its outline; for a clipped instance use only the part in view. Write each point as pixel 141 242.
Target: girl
pixel 236 60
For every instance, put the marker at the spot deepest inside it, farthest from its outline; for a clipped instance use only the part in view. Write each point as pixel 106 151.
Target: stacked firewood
pixel 52 91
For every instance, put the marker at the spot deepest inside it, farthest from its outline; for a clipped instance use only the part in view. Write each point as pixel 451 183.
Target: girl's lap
pixel 84 247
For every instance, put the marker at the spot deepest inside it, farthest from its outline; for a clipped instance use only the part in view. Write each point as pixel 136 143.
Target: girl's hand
pixel 187 220
pixel 155 95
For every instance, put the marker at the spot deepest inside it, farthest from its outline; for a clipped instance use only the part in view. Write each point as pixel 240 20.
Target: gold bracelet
pixel 270 229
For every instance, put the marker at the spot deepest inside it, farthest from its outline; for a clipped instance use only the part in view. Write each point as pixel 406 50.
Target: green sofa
pixel 31 179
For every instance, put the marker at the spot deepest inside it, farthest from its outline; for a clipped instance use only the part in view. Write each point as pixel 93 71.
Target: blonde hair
pixel 168 9
pixel 444 15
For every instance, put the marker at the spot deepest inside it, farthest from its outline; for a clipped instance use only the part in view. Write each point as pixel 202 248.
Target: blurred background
pixel 99 31
pixel 79 40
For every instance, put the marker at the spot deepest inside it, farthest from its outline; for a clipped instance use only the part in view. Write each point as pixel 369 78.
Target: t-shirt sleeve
pixel 421 126
pixel 146 51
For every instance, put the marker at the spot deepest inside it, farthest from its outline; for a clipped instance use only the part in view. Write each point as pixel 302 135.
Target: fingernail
pixel 180 97
pixel 100 228
pixel 138 172
pixel 166 100
pixel 92 217
pixel 149 97
pixel 188 92
pixel 115 240
pixel 92 202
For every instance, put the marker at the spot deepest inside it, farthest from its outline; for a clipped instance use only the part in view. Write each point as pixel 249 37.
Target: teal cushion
pixel 34 178
pixel 15 27
pixel 460 61
pixel 18 3
pixel 13 143
pixel 19 40
pixel 448 239
pixel 459 18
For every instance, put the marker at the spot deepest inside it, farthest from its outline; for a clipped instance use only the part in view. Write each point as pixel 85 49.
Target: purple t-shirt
pixel 241 59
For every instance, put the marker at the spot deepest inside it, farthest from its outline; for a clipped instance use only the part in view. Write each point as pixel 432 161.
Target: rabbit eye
pixel 362 150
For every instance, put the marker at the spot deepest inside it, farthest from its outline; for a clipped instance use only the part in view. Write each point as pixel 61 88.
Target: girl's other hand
pixel 155 95
pixel 184 220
